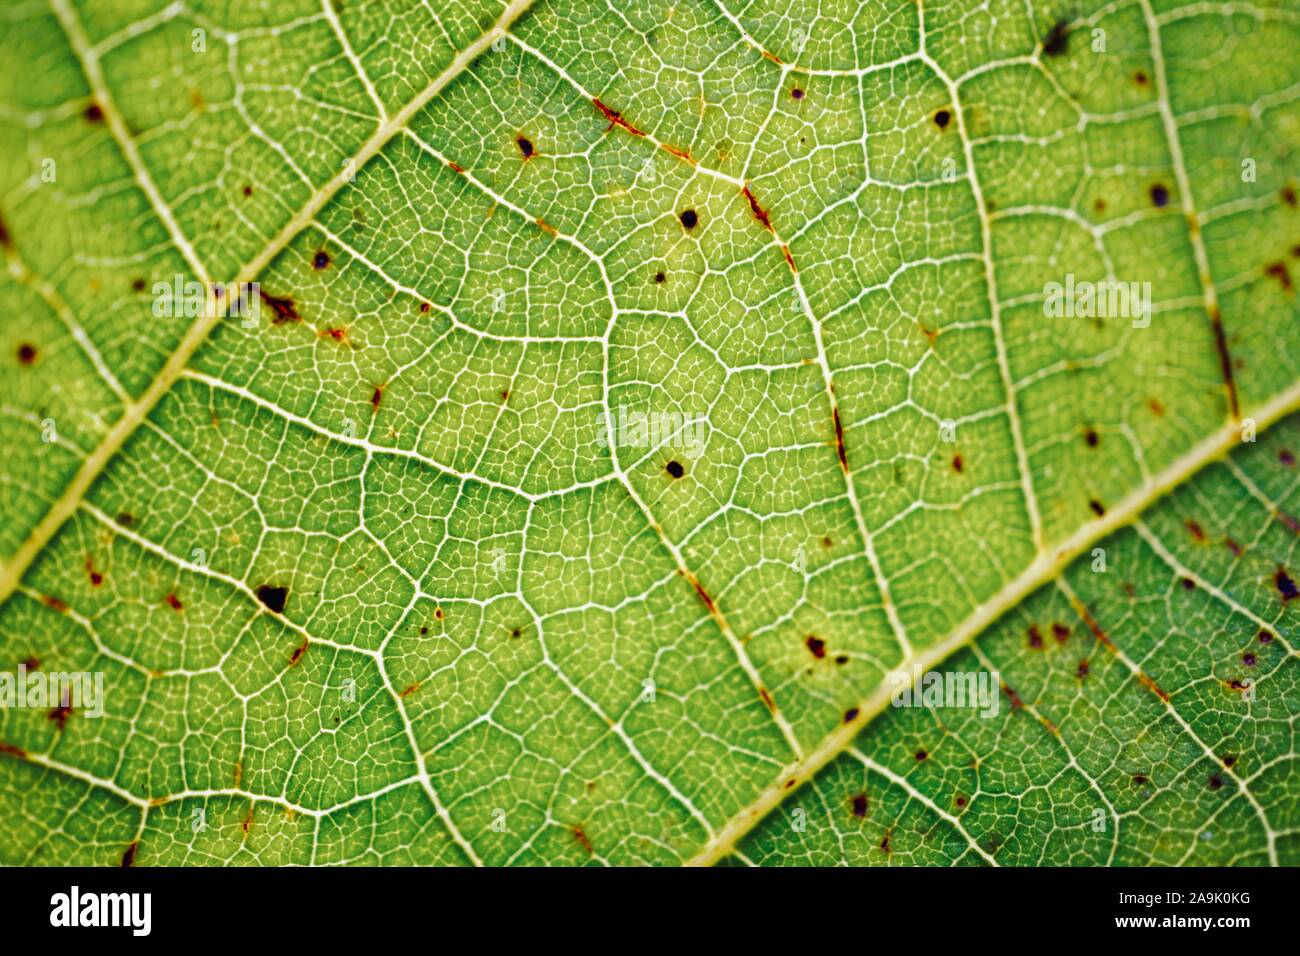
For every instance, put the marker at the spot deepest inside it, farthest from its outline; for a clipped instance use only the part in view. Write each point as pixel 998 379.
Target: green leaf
pixel 626 393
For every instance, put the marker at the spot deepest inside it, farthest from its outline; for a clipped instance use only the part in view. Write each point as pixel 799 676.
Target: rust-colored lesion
pixel 455 167
pixel 6 239
pixel 840 450
pixel 410 689
pixel 49 600
pixel 678 152
pixel 247 823
pixel 546 227
pixel 128 857
pixel 298 652
pixel 759 212
pixel 789 259
pixel 615 118
pixel 1225 361
pixel 580 836
pixel 283 306
pixel 12 751
pixel 768 702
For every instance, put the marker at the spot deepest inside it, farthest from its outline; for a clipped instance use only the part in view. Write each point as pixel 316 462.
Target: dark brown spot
pixel 273 597
pixel 424 630
pixel 6 240
pixel 841 659
pixel 174 602
pixel 376 397
pixel 921 755
pixel 1139 778
pixel 957 464
pixel 1232 546
pixel 796 93
pixel 1140 78
pixel 1288 196
pixel 1265 637
pixel 884 842
pixel 437 613
pixel 1097 507
pixel 1035 637
pixel 1285 586
pixel 320 260
pixel 1229 759
pixel 1279 271
pixel 137 285
pixel 125 519
pixel 959 801
pixel 675 469
pixel 1248 659
pixel 60 715
pixel 1197 532
pixel 248 190
pixel 1216 782
pixel 1057 41
pixel 816 646
pixel 1060 632
pixel 1082 670
pixel 840 450
pixel 1159 195
pixel 284 309
pixel 94 113
pixel 768 702
pixel 689 218
pixel 1090 436
pixel 26 353
pixel 515 632
pixel 850 715
pixel 942 118
pixel 660 277
pixel 859 804
pixel 1188 584
pixel 525 146
pixel 424 307
pixel 128 857
pixel 298 651
pixel 1286 458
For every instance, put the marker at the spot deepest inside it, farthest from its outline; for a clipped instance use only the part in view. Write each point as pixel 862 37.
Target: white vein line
pixel 331 15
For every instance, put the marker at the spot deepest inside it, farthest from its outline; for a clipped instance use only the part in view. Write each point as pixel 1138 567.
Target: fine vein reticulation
pixel 633 392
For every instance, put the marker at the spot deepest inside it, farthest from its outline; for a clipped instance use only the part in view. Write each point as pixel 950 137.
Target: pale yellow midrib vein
pixel 135 412
pixel 1046 567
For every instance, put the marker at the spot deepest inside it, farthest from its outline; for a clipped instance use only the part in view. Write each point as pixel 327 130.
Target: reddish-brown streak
pixel 6 240
pixel 174 602
pixel 410 689
pixel 298 651
pixel 284 309
pixel 456 167
pixel 759 212
pixel 679 153
pixel 615 118
pixel 129 856
pixel 546 227
pixel 51 601
pixel 764 693
pixel 12 751
pixel 582 839
pixel 1225 361
pixel 789 259
pixel 839 440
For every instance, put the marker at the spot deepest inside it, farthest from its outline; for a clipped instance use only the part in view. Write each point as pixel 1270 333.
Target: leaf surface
pixel 635 388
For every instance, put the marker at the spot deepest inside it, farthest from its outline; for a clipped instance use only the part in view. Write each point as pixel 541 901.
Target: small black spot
pixel 94 113
pixel 26 353
pixel 1216 782
pixel 1097 507
pixel 1140 78
pixel 1159 196
pixel 248 190
pixel 859 803
pixel 689 218
pixel 942 118
pixel 850 715
pixel 137 285
pixel 1082 670
pixel 273 597
pixel 320 260
pixel 1139 778
pixel 816 646
pixel 1188 584
pixel 660 277
pixel 1248 659
pixel 1091 437
pixel 1285 586
pixel 1265 637
pixel 842 659
pixel 675 468
pixel 797 93
pixel 125 519
pixel 1229 759
pixel 525 146
pixel 921 755
pixel 1057 41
